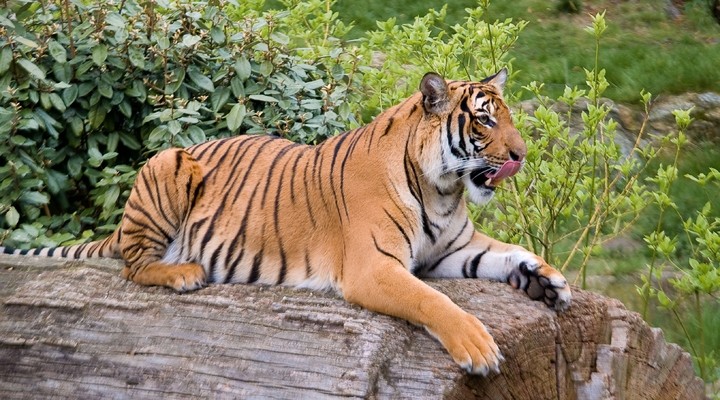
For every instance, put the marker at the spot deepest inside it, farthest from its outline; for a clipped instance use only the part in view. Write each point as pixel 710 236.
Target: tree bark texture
pixel 76 329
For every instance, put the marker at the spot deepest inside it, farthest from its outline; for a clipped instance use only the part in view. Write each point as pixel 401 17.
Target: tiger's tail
pixel 108 247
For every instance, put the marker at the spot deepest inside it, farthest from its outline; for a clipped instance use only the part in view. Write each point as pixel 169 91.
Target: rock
pixel 77 330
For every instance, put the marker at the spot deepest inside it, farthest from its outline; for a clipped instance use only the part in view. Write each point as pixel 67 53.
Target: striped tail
pixel 108 247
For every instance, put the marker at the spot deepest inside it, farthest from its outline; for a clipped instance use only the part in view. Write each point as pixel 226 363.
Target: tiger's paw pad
pixel 472 347
pixel 540 281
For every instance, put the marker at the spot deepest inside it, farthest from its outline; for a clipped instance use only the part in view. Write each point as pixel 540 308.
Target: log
pixel 76 329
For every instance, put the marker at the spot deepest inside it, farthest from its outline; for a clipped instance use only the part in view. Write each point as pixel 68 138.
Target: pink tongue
pixel 508 169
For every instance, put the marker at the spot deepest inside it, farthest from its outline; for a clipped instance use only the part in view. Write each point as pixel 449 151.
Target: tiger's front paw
pixel 186 277
pixel 541 282
pixel 470 345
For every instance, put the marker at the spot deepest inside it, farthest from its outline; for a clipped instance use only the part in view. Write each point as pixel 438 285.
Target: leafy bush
pixel 88 92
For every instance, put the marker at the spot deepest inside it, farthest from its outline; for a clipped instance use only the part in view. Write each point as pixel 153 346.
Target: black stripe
pixel 453 150
pixel 243 227
pixel 283 267
pixel 402 231
pixel 276 219
pixel 213 264
pixel 308 268
pixel 336 150
pixel 372 137
pixel 79 250
pixel 389 126
pixel 306 186
pixel 385 253
pixel 255 271
pixel 51 251
pixel 271 169
pixel 416 192
pixel 231 270
pixel 475 263
pixel 292 176
pixel 192 234
pixel 449 245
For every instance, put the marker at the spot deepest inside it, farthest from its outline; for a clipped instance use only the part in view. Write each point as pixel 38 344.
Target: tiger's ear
pixel 435 93
pixel 498 80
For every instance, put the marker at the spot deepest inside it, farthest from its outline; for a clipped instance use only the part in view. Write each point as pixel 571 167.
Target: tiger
pixel 366 213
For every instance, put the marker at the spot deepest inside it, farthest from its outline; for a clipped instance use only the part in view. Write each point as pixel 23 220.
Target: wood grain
pixel 78 330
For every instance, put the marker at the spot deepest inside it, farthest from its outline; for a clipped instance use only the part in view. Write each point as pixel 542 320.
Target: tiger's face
pixel 480 145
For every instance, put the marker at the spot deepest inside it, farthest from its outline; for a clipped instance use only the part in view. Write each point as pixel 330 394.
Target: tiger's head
pixel 479 144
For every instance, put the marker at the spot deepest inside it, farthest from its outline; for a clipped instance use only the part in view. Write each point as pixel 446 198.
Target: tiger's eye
pixel 483 119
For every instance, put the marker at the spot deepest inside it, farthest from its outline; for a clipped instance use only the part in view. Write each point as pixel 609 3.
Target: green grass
pixel 642 48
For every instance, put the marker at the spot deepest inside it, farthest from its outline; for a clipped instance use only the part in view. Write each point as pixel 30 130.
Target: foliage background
pixel 88 92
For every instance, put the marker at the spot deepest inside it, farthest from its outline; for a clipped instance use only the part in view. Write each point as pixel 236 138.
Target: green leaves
pixel 31 68
pixel 201 80
pixel 91 103
pixel 235 117
pixel 57 51
pixel 99 54
pixel 5 59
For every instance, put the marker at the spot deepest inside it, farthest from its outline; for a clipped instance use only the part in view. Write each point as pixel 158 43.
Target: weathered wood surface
pixel 78 330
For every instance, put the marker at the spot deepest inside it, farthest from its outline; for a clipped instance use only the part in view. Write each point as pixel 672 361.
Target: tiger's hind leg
pixel 164 193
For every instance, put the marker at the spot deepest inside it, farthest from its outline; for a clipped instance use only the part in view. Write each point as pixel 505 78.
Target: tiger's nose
pixel 517 149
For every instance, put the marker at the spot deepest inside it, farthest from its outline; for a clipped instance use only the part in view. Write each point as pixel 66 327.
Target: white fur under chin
pixel 478 195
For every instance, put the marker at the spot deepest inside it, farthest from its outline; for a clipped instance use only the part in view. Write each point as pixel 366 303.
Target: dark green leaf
pixel 137 57
pixel 75 166
pixel 111 196
pixel 235 116
pixel 196 134
pixel 57 102
pixel 243 68
pixel 112 141
pixel 238 89
pixel 105 89
pixel 70 94
pixel 125 108
pixel 201 80
pixel 217 35
pixel 262 97
pixel 5 59
pixel 56 181
pixel 57 51
pixel 31 68
pixel 129 141
pixel 176 80
pixel 266 68
pixel 99 54
pixel 12 217
pixel 219 98
pixel 34 198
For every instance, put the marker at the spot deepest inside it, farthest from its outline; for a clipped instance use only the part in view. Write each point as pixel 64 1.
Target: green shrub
pixel 88 92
